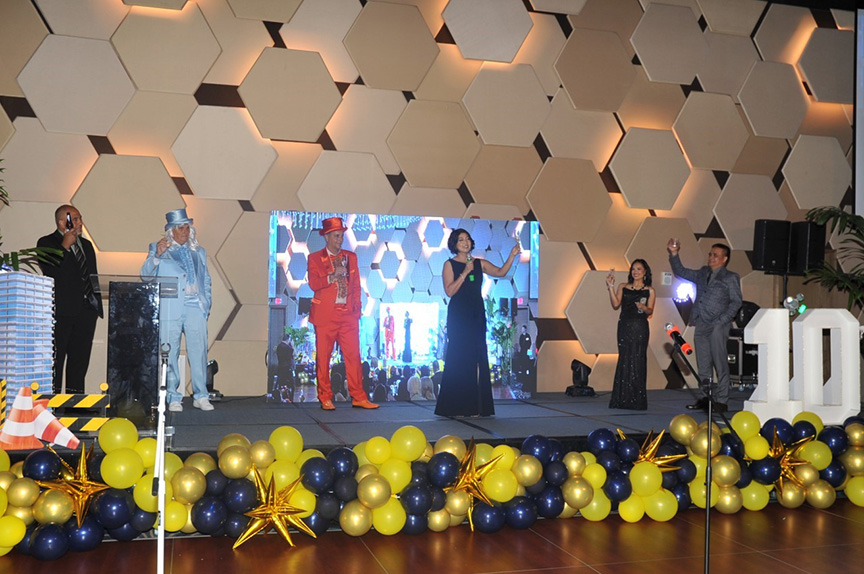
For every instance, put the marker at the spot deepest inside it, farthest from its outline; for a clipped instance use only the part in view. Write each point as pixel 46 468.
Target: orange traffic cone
pixel 49 429
pixel 19 431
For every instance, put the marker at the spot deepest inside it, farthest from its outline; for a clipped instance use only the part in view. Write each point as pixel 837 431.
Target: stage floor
pixel 549 414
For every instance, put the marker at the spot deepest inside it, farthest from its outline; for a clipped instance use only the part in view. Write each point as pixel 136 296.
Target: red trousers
pixel 345 330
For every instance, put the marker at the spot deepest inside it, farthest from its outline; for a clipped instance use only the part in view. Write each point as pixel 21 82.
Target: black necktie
pixel 85 275
pixel 710 275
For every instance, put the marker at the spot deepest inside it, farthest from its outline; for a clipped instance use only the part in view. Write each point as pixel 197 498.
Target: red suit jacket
pixel 324 302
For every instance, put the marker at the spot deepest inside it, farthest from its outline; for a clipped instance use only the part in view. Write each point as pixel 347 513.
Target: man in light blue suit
pixel 178 255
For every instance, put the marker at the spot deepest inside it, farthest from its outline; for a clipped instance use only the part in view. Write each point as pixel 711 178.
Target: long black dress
pixel 466 388
pixel 407 355
pixel 628 390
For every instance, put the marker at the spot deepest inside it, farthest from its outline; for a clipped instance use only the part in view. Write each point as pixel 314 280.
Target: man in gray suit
pixel 718 298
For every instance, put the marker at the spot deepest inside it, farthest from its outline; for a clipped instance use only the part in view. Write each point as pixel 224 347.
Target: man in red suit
pixel 389 336
pixel 335 279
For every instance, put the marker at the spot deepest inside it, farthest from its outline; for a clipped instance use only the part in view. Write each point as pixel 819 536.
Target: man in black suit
pixel 76 306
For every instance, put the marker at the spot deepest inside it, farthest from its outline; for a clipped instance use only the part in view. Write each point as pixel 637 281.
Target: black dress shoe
pixel 700 405
pixel 721 407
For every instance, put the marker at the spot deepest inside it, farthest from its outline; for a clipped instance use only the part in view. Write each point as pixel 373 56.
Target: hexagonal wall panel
pixel 650 168
pixel 727 62
pixel 221 153
pixel 149 193
pixel 180 59
pixel 279 188
pixel 738 18
pixel 21 33
pixel 559 281
pixel 214 219
pixel 591 315
pixel 580 134
pixel 320 27
pixel 769 115
pixel 669 43
pixel 434 144
pixel 24 222
pixel 488 29
pixel 649 243
pixel 76 85
pixel 449 76
pixel 247 275
pixel 86 19
pixel 696 201
pixel 348 181
pixel 508 105
pixel 70 157
pixel 541 49
pixel 783 33
pixel 828 120
pixel 503 175
pixel 250 324
pixel 652 105
pixel 391 46
pixel 828 65
pixel 559 6
pixel 711 131
pixel 364 120
pixel 6 129
pixel 817 172
pixel 290 94
pixel 241 40
pixel 615 234
pixel 595 70
pixel 618 16
pixel 428 200
pixel 569 199
pixel 266 10
pixel 758 194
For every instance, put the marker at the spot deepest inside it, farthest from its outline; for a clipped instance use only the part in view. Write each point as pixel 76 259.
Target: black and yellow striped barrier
pixel 88 402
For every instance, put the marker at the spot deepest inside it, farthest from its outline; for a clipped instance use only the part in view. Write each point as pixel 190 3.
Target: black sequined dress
pixel 628 390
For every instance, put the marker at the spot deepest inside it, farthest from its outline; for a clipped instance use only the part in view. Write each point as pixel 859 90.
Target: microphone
pixel 675 335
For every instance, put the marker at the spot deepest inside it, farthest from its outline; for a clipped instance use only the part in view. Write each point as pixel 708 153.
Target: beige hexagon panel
pixel 595 69
pixel 349 181
pixel 649 168
pixel 580 134
pixel 488 29
pixel 828 65
pixel 757 192
pixel 711 131
pixel 669 43
pixel 817 172
pixel 769 115
pixel 591 314
pixel 649 243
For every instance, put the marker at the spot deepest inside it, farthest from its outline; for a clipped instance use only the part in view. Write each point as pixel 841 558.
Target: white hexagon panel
pixel 817 172
pixel 711 131
pixel 769 115
pixel 762 200
pixel 86 18
pixel 488 29
pixel 347 181
pixel 649 168
pixel 669 44
pixel 221 153
pixel 76 85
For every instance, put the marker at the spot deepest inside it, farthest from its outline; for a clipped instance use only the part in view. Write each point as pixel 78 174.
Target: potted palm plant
pixel 846 275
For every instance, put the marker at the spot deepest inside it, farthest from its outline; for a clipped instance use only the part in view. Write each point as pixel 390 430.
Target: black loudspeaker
pixel 771 245
pixel 806 247
pixel 514 307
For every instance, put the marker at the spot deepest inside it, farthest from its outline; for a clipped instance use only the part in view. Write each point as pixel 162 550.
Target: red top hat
pixel 332 224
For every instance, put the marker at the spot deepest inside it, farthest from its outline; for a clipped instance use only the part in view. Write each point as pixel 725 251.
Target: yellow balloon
pixel 287 443
pixel 756 447
pixel 661 506
pixel 364 471
pixel 143 493
pixel 646 478
pixel 855 490
pixel 725 470
pixel 811 418
pixel 360 450
pixel 390 518
pixel 792 495
pixel 458 503
pixel 146 449
pixel 173 463
pixel 373 491
pixel 117 433
pixel 176 516
pixel 4 462
pixel 121 468
pixel 577 492
pixel 235 462
pixel 482 453
pixel 6 479
pixel 12 531
pixel 307 454
pixel 53 506
pixel 508 457
pixel 807 474
pixel 821 494
pixel 438 521
pixel 682 428
pixel 855 432
pixel 588 456
pixel 598 508
pixel 746 424
pixel 23 492
pixel 632 509
pixel 816 453
pixel 398 474
pixel 754 496
pixel 527 469
pixel 304 499
pixel 233 439
pixel 284 472
pixel 729 500
pixel 189 485
pixel 263 454
pixel 853 460
pixel 575 463
pixel 595 474
pixel 699 443
pixel 452 444
pixel 25 513
pixel 202 461
pixel 378 449
pixel 355 519
pixel 408 443
pixel 698 495
pixel 500 485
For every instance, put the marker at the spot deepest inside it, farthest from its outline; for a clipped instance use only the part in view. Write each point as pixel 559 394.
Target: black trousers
pixel 73 341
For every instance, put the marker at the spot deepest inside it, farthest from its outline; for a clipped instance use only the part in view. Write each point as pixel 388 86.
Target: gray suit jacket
pixel 716 302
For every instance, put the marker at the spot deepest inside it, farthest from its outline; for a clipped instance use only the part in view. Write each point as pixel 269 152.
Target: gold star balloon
pixel 76 483
pixel 274 510
pixel 648 452
pixel 788 459
pixel 471 479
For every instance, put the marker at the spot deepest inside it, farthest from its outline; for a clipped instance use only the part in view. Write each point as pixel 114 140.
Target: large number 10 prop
pixel 778 396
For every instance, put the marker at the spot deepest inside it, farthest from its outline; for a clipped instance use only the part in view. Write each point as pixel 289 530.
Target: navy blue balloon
pixel 746 476
pixel 345 488
pixel 439 499
pixel 601 439
pixel 442 469
pixel 671 447
pixel 556 473
pixel 550 502
pixel 731 445
pixel 536 488
pixel 143 520
pixel 209 514
pixel 627 450
pixel 766 470
pixel 124 533
pixel 42 465
pixel 686 471
pixel 521 512
pixel 240 495
pixel 617 487
pixel 853 419
pixel 416 499
pixel 836 439
pixel 87 537
pixel 328 506
pixel 419 472
pixel 318 475
pixel 94 466
pixel 317 523
pixel 537 446
pixel 834 474
pixel 802 430
pixel 23 547
pixel 113 508
pixel 48 542
pixel 784 430
pixel 344 461
pixel 670 480
pixel 488 519
pixel 682 495
pixel 216 483
pixel 235 524
pixel 415 524
pixel 556 450
pixel 609 460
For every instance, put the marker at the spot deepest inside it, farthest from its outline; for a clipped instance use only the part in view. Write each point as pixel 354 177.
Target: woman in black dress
pixel 466 389
pixel 407 355
pixel 636 301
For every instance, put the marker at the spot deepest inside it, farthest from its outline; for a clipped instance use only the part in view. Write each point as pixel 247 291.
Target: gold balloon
pixel 458 503
pixel 730 500
pixel 355 519
pixel 23 492
pixel 229 440
pixel 699 443
pixel 528 470
pixel 821 494
pixel 373 491
pixel 17 469
pixel 438 521
pixel 682 428
pixel 725 470
pixel 715 429
pixel 457 519
pixel 577 492
pixel 365 471
pixel 853 460
pixel 807 474
pixel 520 490
pixel 6 479
pixel 575 463
pixel 263 454
pixel 568 512
pixel 427 453
pixel 844 483
pixel 188 528
pixel 25 513
pixel 792 495
pixel 235 462
pixel 855 432
pixel 189 485
pixel 53 506
pixel 452 444
pixel 202 461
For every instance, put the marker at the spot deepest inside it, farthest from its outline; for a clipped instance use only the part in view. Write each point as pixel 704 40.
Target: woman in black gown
pixel 636 301
pixel 466 389
pixel 407 355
